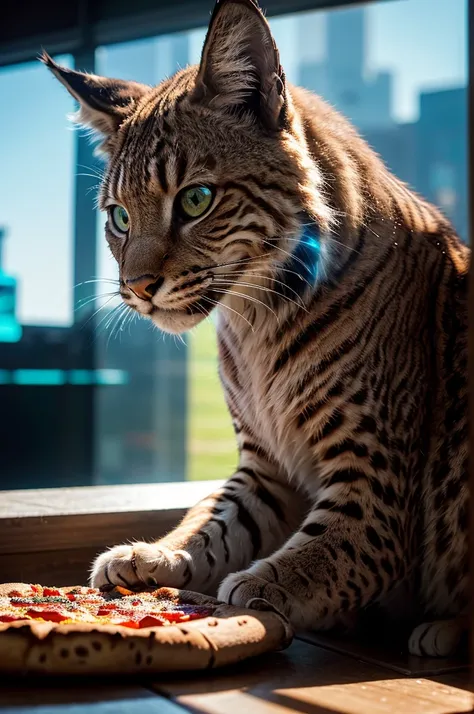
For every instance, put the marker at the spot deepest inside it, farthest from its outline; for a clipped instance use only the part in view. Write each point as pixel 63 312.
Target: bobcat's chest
pixel 265 401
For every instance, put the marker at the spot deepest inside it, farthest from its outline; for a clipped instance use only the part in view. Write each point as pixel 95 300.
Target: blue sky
pixel 422 42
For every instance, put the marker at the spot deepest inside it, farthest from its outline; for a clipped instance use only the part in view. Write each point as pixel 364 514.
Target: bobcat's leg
pixel 336 563
pixel 440 638
pixel 249 517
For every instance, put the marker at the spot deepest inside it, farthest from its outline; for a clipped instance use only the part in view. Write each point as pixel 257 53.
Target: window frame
pixel 102 22
pixel 54 534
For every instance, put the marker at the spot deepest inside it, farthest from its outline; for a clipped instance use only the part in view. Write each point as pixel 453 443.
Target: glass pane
pixel 43 432
pixel 36 185
pixel 138 405
pixel 180 426
pixel 409 105
pixel 398 70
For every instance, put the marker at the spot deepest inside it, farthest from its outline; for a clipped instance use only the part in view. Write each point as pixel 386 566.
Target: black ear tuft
pixel 104 103
pixel 46 59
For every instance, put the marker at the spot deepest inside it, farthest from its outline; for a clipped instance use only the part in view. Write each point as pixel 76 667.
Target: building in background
pixel 341 77
pixel 428 154
pixel 440 146
pixel 10 328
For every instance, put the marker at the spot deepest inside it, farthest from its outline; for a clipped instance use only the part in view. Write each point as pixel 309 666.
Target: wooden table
pixel 306 678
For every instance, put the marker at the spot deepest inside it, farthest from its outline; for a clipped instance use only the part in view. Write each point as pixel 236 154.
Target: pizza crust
pixel 229 636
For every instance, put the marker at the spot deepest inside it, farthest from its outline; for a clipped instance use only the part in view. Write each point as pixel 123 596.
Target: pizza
pixel 60 630
pixel 116 606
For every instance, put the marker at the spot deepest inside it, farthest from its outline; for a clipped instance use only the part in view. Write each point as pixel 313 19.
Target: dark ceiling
pixel 28 25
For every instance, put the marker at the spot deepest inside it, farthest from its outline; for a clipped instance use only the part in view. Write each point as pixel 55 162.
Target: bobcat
pixel 342 310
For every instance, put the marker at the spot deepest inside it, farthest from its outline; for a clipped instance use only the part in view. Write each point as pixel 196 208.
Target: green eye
pixel 120 219
pixel 195 201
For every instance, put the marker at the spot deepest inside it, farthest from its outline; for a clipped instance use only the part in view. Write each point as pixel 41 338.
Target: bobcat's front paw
pixel 141 564
pixel 240 589
pixel 282 588
pixel 440 638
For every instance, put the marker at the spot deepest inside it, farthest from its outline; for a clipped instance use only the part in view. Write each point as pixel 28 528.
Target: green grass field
pixel 212 451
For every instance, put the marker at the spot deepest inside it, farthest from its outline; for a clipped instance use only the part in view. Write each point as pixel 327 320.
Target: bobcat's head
pixel 209 181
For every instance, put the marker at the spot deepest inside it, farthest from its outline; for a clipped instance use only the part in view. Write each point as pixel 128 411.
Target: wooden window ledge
pixel 51 536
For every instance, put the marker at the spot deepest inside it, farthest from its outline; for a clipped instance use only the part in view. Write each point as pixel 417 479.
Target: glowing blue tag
pixel 301 270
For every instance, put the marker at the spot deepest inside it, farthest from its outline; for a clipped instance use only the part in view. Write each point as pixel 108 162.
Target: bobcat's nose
pixel 145 286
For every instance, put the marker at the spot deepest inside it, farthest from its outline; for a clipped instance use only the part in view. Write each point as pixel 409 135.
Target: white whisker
pixel 99 310
pixel 93 298
pixel 97 170
pixel 269 290
pixel 117 328
pixel 97 280
pixel 214 302
pixel 328 238
pixel 290 255
pixel 266 277
pixel 107 317
pixel 246 297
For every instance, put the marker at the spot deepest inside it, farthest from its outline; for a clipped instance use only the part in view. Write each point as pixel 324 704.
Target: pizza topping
pixel 124 591
pixel 47 592
pixel 20 602
pixel 37 600
pixel 79 590
pixel 104 610
pixel 125 623
pixel 8 618
pixel 151 621
pixel 118 607
pixel 165 594
pixel 50 615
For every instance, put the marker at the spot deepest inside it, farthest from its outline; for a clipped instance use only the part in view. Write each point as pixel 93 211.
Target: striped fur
pixel 341 300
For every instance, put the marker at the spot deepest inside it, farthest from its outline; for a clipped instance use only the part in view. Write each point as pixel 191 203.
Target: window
pixel 180 428
pixel 38 344
pixel 97 401
pixel 36 193
pixel 410 106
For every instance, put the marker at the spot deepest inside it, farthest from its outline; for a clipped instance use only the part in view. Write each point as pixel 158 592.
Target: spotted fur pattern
pixel 341 300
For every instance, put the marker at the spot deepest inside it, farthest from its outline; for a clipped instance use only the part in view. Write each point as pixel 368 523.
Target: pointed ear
pixel 240 63
pixel 103 103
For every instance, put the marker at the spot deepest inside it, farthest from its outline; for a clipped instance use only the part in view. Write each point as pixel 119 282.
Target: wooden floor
pixel 306 678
